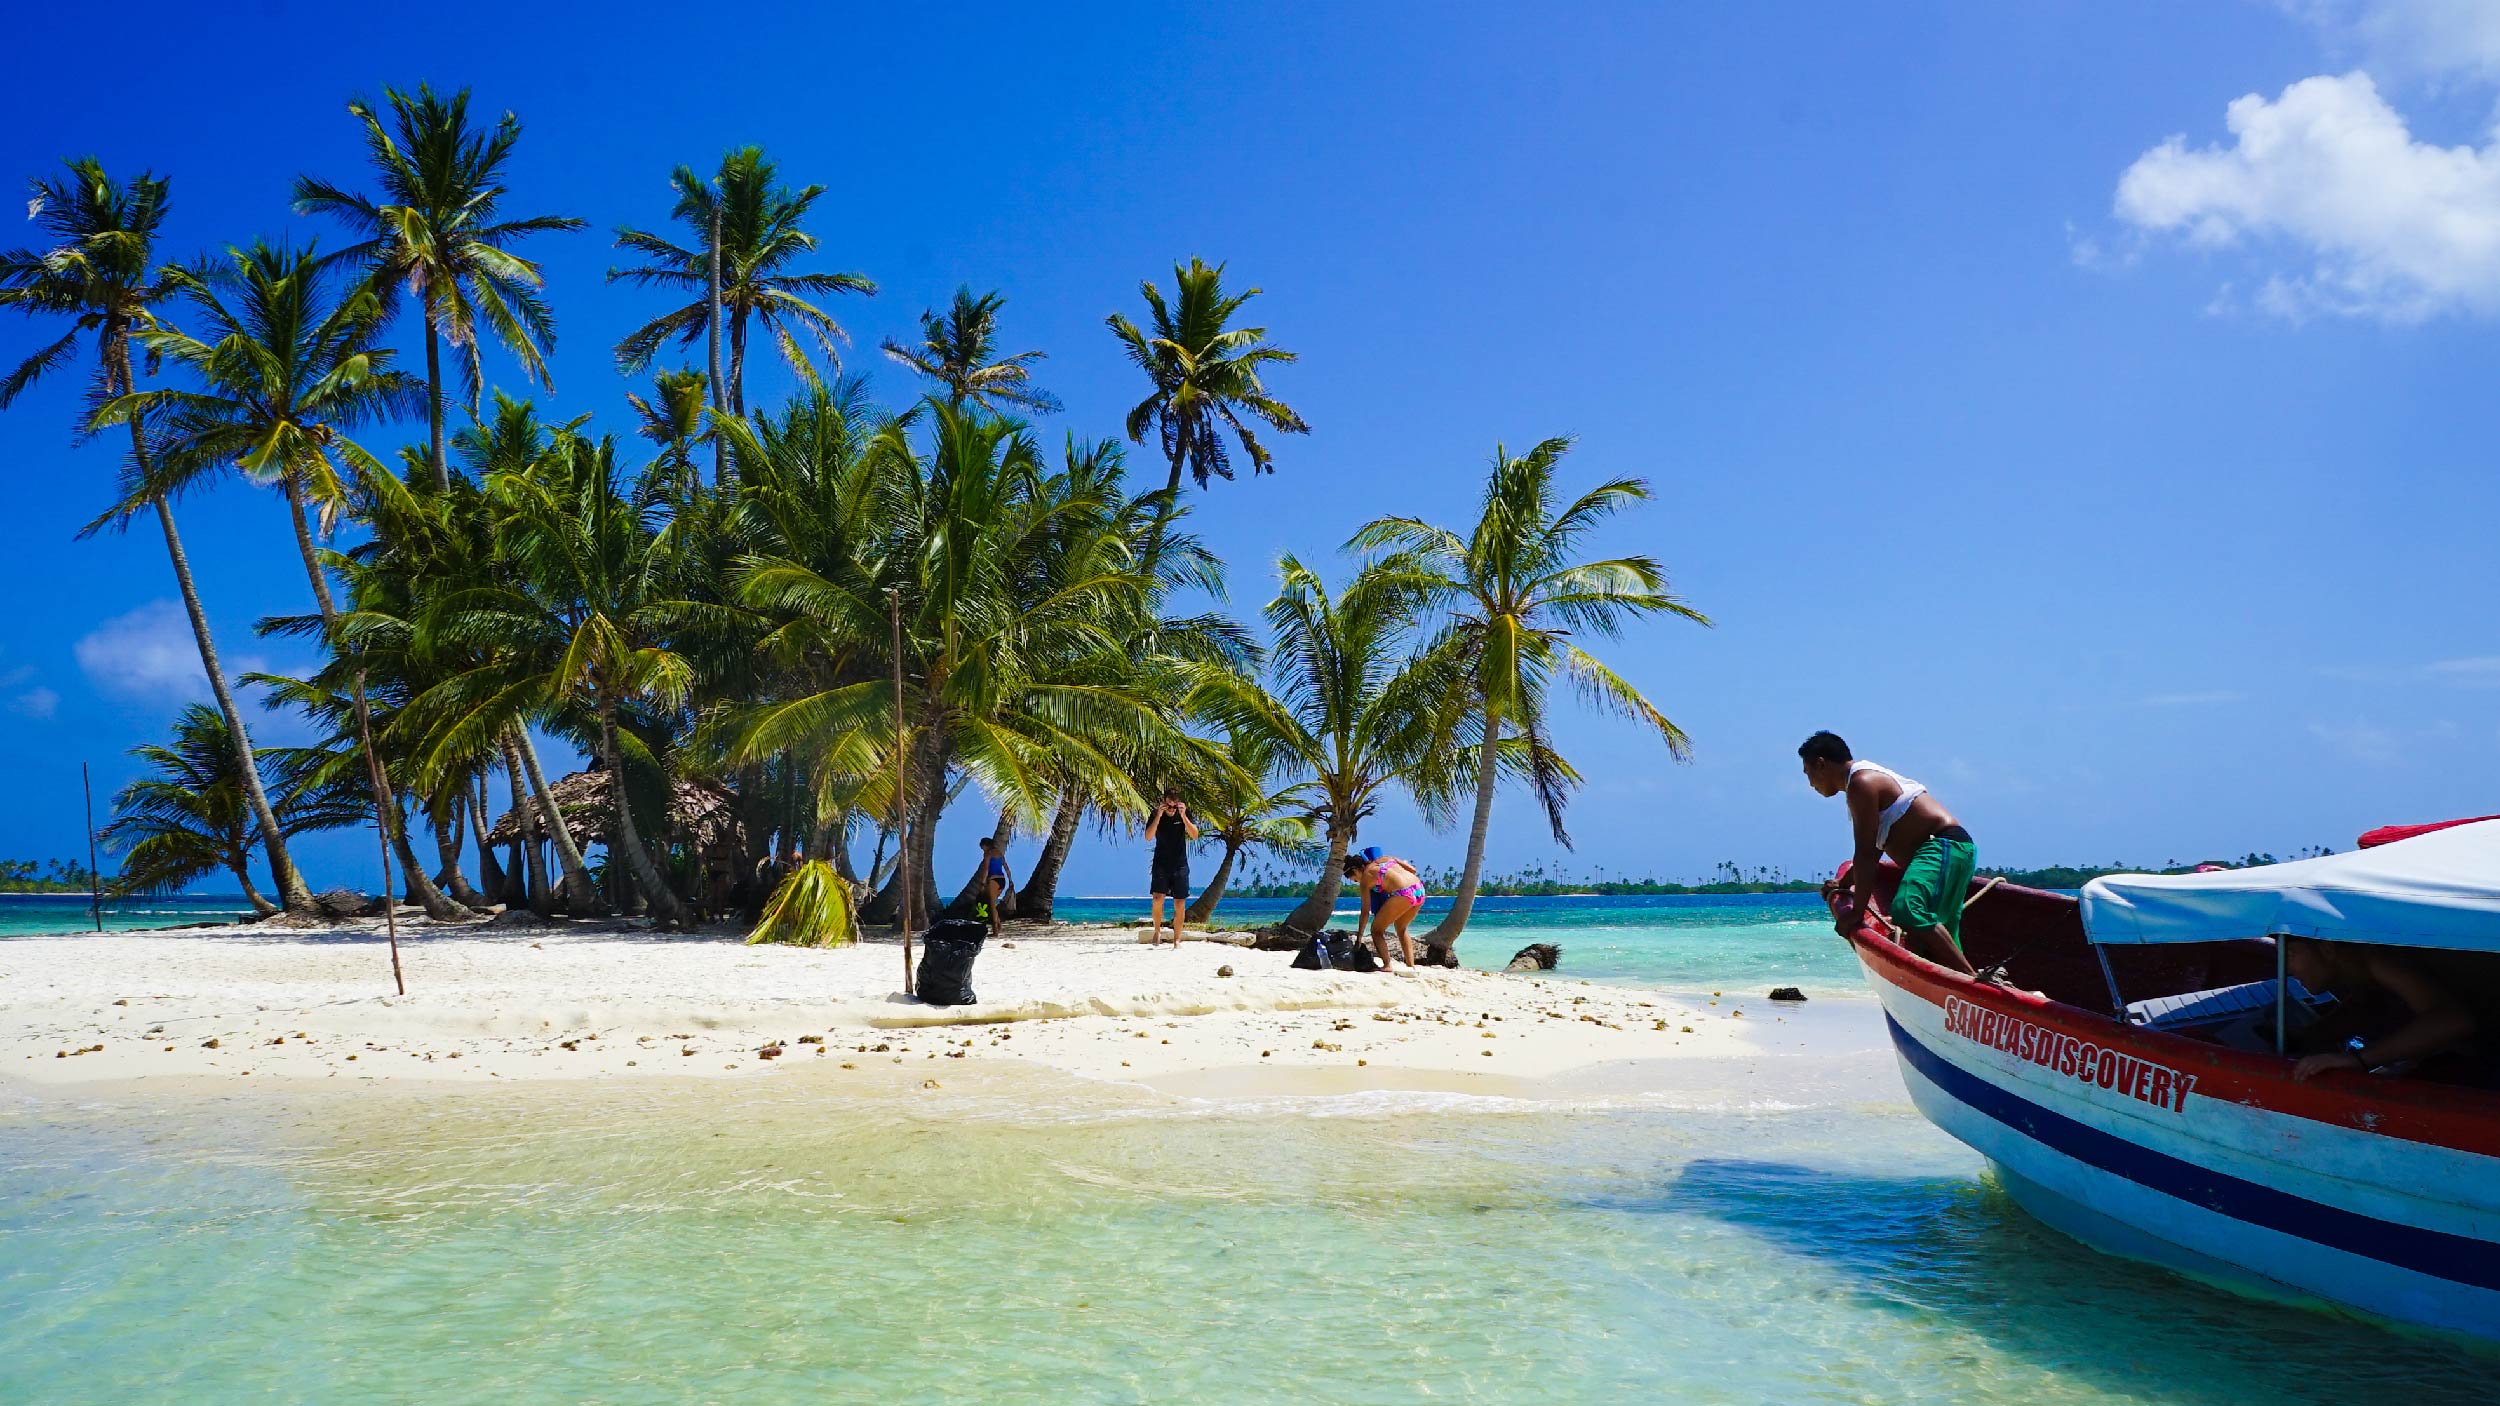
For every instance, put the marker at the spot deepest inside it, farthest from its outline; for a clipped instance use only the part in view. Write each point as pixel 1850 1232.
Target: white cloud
pixel 2379 224
pixel 2431 38
pixel 38 703
pixel 146 654
pixel 2360 741
pixel 2480 672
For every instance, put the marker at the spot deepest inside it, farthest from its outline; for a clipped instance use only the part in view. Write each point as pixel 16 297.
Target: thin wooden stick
pixel 381 832
pixel 95 876
pixel 902 789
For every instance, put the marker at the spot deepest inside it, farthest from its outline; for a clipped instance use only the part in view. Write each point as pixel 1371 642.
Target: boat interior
pixel 2219 993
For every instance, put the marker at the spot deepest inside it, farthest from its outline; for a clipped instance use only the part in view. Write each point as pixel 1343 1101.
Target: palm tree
pixel 190 816
pixel 580 617
pixel 1205 377
pixel 102 276
pixel 1517 594
pixel 1011 608
pixel 673 419
pixel 1253 816
pixel 1352 708
pixel 959 351
pixel 286 370
pixel 758 219
pixel 434 233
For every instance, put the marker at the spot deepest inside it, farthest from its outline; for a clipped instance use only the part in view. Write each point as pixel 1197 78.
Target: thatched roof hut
pixel 702 814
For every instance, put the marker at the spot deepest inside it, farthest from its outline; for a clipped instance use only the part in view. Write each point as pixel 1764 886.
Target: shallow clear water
pixel 1680 941
pixel 789 1239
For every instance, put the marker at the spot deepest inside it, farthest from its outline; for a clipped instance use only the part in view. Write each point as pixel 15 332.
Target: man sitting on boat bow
pixel 1891 815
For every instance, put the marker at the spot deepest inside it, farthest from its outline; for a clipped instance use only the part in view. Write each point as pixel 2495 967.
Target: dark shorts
pixel 1170 881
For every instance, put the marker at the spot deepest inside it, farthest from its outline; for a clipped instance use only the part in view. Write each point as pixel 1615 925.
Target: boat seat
pixel 2251 1003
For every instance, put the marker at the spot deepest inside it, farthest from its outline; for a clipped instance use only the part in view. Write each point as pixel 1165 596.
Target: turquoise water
pixel 792 1239
pixel 23 913
pixel 1782 1230
pixel 1685 942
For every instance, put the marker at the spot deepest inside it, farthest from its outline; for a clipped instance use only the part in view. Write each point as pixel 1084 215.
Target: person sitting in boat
pixel 2450 999
pixel 1891 815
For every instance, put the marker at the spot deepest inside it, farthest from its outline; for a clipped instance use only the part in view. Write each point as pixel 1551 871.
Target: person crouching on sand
pixel 1393 893
pixel 1172 830
pixel 1891 815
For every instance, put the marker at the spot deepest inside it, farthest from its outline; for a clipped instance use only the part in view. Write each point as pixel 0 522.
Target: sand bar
pixel 615 1001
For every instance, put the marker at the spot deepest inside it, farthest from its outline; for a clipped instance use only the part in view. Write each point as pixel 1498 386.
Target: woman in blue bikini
pixel 1393 893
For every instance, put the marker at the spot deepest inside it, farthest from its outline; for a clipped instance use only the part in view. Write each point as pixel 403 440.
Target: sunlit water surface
pixel 1789 1239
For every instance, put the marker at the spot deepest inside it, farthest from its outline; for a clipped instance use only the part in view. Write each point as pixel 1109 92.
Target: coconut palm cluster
pixel 810 625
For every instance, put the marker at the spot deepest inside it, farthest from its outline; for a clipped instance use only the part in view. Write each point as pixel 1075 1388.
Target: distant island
pixel 44 876
pixel 1728 877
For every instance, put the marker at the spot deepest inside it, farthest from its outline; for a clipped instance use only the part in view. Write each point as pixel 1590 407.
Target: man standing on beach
pixel 1889 814
pixel 1173 830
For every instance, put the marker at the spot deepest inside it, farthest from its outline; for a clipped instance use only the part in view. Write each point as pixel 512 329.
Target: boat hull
pixel 2159 1148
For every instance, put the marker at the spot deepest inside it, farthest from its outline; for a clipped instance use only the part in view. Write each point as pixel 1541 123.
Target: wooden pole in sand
pixel 95 876
pixel 902 789
pixel 382 832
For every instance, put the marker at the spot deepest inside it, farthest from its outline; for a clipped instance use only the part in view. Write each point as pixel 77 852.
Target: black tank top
pixel 1171 841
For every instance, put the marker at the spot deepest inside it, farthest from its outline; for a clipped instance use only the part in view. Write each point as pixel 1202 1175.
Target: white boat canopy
pixel 2436 890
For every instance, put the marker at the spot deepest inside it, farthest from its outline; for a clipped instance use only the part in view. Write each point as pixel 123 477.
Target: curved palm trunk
pixel 490 875
pixel 386 810
pixel 1440 944
pixel 1312 916
pixel 447 846
pixel 581 896
pixel 293 894
pixel 1041 886
pixel 1202 907
pixel 261 907
pixel 528 865
pixel 928 802
pixel 655 890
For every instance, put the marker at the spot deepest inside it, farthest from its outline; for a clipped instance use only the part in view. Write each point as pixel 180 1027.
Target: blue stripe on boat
pixel 2459 1259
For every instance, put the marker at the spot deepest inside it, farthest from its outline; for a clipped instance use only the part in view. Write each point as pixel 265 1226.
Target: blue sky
pixel 2083 407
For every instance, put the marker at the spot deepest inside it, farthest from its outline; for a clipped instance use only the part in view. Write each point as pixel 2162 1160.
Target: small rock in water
pixel 1787 993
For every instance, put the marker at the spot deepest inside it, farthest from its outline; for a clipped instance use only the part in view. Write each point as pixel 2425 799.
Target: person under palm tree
pixel 1172 830
pixel 992 880
pixel 1393 893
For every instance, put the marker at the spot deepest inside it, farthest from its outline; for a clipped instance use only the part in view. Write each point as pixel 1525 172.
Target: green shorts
pixel 1934 886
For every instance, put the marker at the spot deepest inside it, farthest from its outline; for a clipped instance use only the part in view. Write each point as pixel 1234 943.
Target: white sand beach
pixel 615 1001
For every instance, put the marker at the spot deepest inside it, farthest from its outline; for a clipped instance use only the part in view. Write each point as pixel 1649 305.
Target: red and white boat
pixel 2140 1103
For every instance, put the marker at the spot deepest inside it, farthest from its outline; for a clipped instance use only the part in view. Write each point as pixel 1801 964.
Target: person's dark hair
pixel 1171 793
pixel 1353 865
pixel 1824 747
pixel 988 843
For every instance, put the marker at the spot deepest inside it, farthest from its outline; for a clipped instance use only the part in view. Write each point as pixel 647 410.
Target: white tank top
pixel 1910 791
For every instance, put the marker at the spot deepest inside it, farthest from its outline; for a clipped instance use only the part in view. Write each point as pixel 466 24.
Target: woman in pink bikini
pixel 1392 893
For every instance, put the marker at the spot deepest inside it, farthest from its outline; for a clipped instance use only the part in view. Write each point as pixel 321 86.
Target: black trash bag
pixel 947 951
pixel 1347 953
pixel 1335 950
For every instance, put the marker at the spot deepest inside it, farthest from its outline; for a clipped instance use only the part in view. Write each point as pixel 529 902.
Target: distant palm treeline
pixel 45 876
